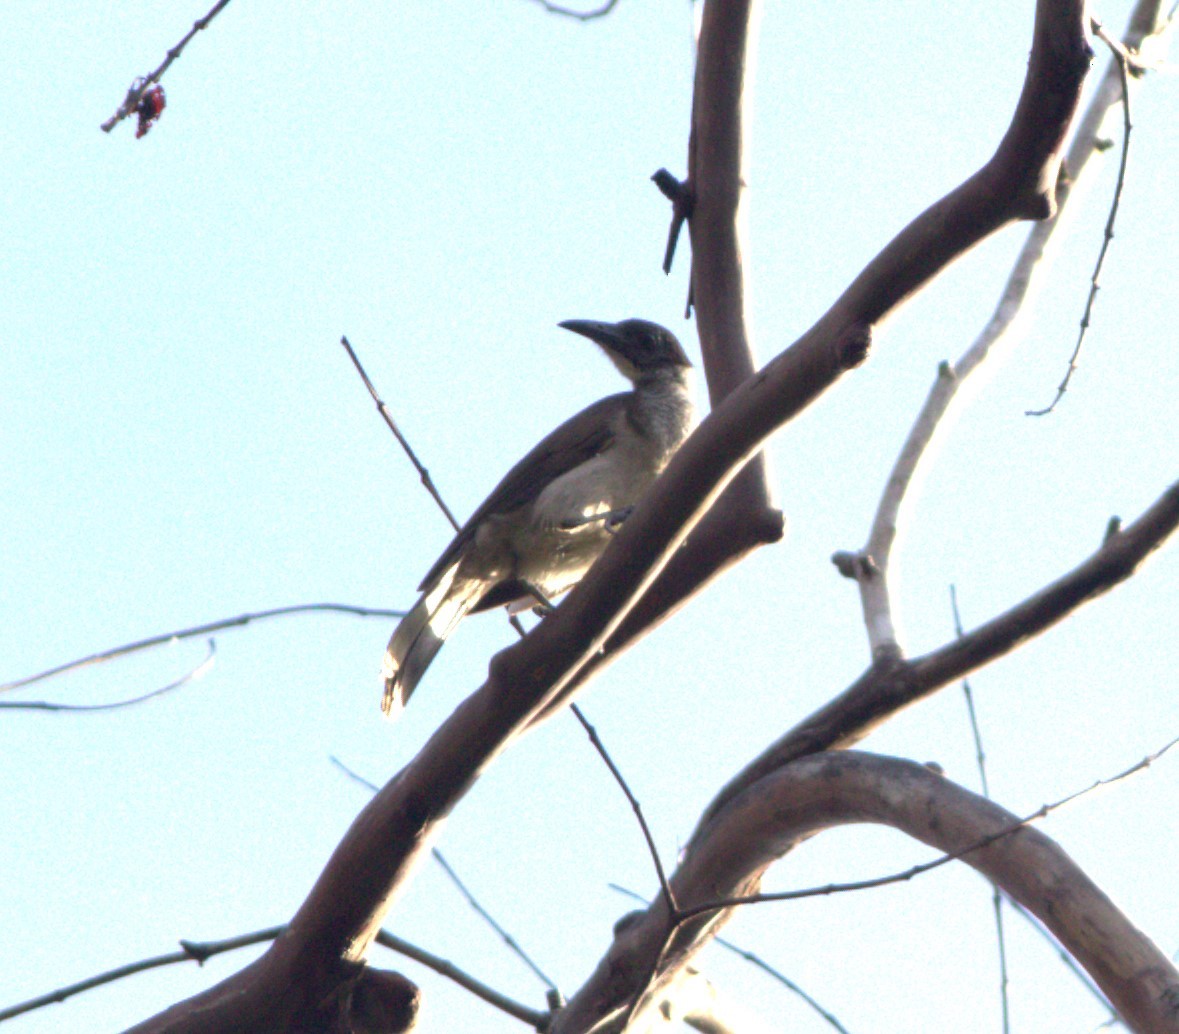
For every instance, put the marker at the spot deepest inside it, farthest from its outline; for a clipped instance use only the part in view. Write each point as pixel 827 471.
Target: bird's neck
pixel 660 408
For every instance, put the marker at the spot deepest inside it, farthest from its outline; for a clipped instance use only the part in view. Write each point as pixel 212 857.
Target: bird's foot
pixel 544 606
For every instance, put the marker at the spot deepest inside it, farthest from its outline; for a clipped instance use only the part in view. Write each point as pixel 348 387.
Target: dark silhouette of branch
pixel 884 689
pixel 191 951
pixel 869 567
pixel 581 16
pixel 200 951
pixel 636 807
pixel 423 473
pixel 198 630
pixel 140 86
pixel 184 680
pixel 448 969
pixel 680 197
pixel 1122 60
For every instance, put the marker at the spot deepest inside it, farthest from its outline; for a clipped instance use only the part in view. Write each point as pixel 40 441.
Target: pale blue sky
pixel 183 439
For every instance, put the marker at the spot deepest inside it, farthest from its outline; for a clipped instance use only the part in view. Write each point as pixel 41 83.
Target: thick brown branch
pixel 801 799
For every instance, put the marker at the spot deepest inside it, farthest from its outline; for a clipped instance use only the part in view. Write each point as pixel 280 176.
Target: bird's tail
pixel 420 636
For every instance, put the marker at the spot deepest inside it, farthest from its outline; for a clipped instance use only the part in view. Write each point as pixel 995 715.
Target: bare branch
pixel 807 796
pixel 506 937
pixel 1030 267
pixel 486 916
pixel 140 86
pixel 884 689
pixel 198 630
pixel 191 951
pixel 581 16
pixel 636 807
pixel 446 968
pixel 981 759
pixel 184 680
pixel 756 960
pixel 423 473
pixel 1122 61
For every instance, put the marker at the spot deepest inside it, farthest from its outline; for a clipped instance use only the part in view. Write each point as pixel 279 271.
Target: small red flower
pixel 149 109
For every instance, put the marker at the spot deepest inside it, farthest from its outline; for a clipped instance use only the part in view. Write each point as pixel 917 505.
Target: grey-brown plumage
pixel 531 532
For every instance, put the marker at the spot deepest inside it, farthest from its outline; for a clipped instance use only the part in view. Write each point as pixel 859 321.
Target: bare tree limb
pixel 872 566
pixel 423 473
pixel 1122 62
pixel 804 797
pixel 198 630
pixel 581 16
pixel 885 689
pixel 191 951
pixel 184 680
pixel 444 967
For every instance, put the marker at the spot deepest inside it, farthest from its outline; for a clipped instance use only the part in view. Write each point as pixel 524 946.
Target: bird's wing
pixel 580 438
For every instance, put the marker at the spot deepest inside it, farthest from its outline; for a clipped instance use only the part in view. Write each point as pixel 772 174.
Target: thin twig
pixel 581 16
pixel 981 758
pixel 46 705
pixel 757 961
pixel 1123 62
pixel 682 202
pixel 508 939
pixel 139 87
pixel 449 970
pixel 353 774
pixel 785 981
pixel 917 870
pixel 198 630
pixel 999 897
pixel 637 808
pixel 423 473
pixel 192 951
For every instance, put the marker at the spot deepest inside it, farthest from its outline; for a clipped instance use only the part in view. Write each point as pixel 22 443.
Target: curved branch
pixel 197 630
pixel 816 793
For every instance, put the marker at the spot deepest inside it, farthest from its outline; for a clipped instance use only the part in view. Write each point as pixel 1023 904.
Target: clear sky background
pixel 183 439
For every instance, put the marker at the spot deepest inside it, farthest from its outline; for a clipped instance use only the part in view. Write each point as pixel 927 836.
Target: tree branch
pixel 197 630
pixel 730 856
pixel 884 689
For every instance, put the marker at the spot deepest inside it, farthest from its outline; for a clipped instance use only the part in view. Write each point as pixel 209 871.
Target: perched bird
pixel 551 516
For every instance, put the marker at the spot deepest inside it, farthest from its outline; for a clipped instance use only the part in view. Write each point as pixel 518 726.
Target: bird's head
pixel 636 347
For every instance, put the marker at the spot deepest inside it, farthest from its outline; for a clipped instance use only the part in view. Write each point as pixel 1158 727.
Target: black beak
pixel 605 334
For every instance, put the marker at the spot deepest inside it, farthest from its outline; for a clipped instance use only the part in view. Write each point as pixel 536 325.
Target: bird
pixel 554 512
